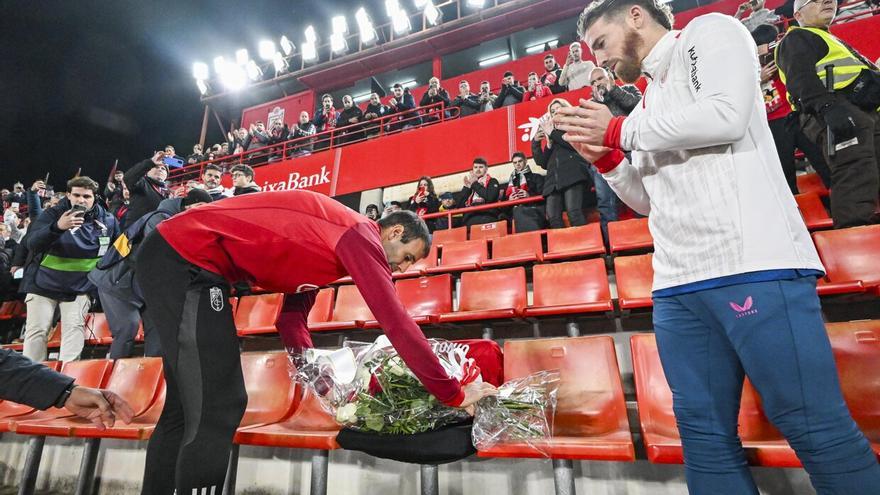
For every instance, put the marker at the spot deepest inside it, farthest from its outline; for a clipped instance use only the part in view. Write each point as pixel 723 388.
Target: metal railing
pixel 488 206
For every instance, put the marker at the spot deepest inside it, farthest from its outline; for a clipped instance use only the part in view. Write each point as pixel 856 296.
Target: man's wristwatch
pixel 62 399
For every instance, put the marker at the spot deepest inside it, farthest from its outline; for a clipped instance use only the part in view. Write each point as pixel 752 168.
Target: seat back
pixel 54 341
pixel 590 397
pixel 585 238
pixel 350 305
pixel 516 245
pixel 89 373
pixel 322 309
pixel 457 234
pixel 850 254
pixel 807 183
pixel 137 381
pixel 269 387
pixel 635 276
pixel 97 329
pixel 425 296
pixel 466 252
pixel 258 312
pixel 575 282
pixel 9 408
pixel 629 234
pixel 493 289
pixel 856 346
pixel 489 230
pixel 813 211
pixel 429 261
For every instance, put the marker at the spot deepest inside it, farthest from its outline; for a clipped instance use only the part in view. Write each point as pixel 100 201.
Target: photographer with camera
pixel 146 187
pixel 511 92
pixel 467 102
pixel 66 241
pixel 847 116
pixel 486 98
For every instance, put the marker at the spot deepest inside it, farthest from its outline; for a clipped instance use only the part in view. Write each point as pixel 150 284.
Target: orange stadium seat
pixel 807 183
pixel 635 275
pixel 350 311
pixel 516 249
pixel 90 373
pixel 256 315
pixel 11 309
pixel 591 420
pixel 426 298
pixel 461 256
pixel 570 288
pixel 9 408
pixel 629 235
pixel 851 259
pixel 98 330
pixel 491 230
pixel 458 234
pixel 54 341
pixel 310 426
pixel 322 309
pixel 814 212
pixel 419 267
pixel 270 389
pixel 490 295
pixel 136 380
pixel 574 242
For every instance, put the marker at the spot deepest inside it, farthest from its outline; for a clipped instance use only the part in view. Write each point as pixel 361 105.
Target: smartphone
pixel 18 274
pixel 422 189
pixel 78 210
pixel 172 162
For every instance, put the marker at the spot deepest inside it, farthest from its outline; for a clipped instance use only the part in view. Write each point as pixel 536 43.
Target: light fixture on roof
pixel 200 71
pixel 203 86
pixel 311 35
pixel 497 59
pixel 253 71
pixel 287 46
pixel 233 76
pixel 477 4
pixel 432 13
pixel 337 39
pixel 266 49
pixel 241 56
pixel 399 18
pixel 310 47
pixel 420 3
pixel 279 63
pixel 540 47
pixel 365 27
pixel 361 98
pixel 219 65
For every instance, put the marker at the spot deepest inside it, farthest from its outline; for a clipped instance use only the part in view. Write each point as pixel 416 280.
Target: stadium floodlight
pixel 233 77
pixel 539 47
pixel 203 86
pixel 286 46
pixel 253 71
pixel 311 35
pixel 477 4
pixel 267 50
pixel 337 39
pixel 399 17
pixel 496 59
pixel 219 65
pixel 420 3
pixel 200 71
pixel 309 52
pixel 279 63
pixel 365 27
pixel 241 57
pixel 432 13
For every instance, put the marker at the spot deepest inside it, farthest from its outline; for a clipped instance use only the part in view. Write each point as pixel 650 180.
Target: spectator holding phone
pixel 425 200
pixel 434 95
pixel 467 102
pixel 66 242
pixel 402 103
pixel 375 110
pixel 524 183
pixel 114 191
pixel 511 92
pixel 486 98
pixel 371 212
pixel 535 89
pixel 146 187
pixel 576 72
pixel 552 73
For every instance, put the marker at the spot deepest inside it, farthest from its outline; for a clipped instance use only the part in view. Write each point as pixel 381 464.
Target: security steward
pixel 850 112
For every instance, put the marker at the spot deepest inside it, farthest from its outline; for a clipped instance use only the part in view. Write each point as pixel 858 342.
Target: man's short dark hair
pixel 413 227
pixel 212 166
pixel 258 122
pixel 508 74
pixel 549 55
pixel 659 11
pixel 396 85
pixel 484 82
pixel 326 95
pixel 395 203
pixel 518 154
pixel 247 170
pixel 533 74
pixel 481 161
pixel 463 81
pixel 764 34
pixel 84 182
pixel 371 207
pixel 196 196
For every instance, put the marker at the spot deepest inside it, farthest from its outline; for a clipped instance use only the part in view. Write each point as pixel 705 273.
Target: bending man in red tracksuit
pixel 284 241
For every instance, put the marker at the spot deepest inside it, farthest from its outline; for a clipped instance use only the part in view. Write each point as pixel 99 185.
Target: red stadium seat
pixel 570 288
pixel 256 315
pixel 90 373
pixel 462 256
pixel 136 380
pixel 322 309
pixel 419 267
pixel 458 234
pixel 591 420
pixel 54 341
pixel 426 298
pixel 807 183
pixel 490 295
pixel 635 275
pixel 814 212
pixel 350 311
pixel 309 427
pixel 98 330
pixel 270 389
pixel 516 249
pixel 574 242
pixel 629 235
pixel 9 408
pixel 491 230
pixel 851 259
pixel 11 309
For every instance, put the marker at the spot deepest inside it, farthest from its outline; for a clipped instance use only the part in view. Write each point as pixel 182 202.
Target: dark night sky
pixel 84 82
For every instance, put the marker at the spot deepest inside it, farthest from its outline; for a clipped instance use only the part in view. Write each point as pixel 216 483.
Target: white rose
pixel 347 413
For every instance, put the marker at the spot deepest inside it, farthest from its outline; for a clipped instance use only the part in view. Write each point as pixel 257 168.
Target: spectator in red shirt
pixel 535 89
pixel 325 120
pixel 284 241
pixel 550 78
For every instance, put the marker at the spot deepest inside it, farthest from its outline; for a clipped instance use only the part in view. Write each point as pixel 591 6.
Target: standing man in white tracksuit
pixel 734 268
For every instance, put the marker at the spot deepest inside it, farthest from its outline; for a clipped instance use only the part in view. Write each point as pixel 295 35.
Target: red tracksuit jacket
pixel 294 242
